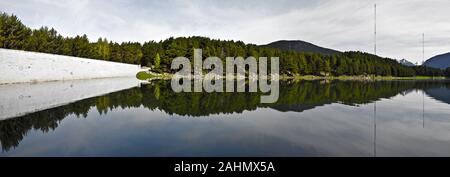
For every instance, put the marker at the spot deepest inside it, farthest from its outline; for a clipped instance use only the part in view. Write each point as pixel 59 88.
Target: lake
pixel 114 117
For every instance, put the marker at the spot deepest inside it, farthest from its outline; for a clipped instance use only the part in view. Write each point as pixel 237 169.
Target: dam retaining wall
pixel 21 67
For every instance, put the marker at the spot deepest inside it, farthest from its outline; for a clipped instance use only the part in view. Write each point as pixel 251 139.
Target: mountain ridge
pixel 301 46
pixel 441 61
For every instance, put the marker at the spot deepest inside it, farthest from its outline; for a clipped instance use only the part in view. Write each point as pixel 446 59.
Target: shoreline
pixel 361 78
pixel 144 75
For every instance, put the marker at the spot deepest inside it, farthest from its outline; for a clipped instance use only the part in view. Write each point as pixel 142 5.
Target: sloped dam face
pixel 22 67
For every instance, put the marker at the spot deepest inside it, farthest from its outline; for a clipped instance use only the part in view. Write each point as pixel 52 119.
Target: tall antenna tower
pixel 375 31
pixel 423 48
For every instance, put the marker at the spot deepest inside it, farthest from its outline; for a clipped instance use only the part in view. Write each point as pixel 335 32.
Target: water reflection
pixel 21 99
pixel 311 118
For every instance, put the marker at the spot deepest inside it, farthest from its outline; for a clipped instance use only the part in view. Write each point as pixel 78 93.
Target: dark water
pixel 311 118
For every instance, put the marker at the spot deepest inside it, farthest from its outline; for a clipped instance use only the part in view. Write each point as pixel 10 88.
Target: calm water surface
pixel 311 118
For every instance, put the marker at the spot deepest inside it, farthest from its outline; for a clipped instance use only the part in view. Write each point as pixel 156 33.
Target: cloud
pixel 339 24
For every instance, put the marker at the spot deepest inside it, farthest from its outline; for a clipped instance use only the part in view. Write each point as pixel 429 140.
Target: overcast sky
pixel 339 24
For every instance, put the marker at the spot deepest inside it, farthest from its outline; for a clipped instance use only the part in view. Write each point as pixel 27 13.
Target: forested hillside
pixel 440 61
pixel 15 35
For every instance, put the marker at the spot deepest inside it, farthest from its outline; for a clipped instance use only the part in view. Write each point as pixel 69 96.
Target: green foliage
pixel 81 47
pixel 157 61
pixel 143 75
pixel 131 52
pixel 101 49
pixel 447 72
pixel 13 33
pixel 149 50
pixel 45 40
pixel 291 63
pixel 428 71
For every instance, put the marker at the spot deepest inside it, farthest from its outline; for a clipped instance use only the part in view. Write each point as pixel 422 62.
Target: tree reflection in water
pixel 294 96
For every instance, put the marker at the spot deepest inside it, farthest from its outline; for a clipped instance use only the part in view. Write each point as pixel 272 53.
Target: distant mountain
pixel 406 62
pixel 440 61
pixel 301 46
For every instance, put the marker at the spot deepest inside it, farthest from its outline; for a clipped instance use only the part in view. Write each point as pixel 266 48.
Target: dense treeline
pixel 447 72
pixel 291 63
pixel 427 71
pixel 15 35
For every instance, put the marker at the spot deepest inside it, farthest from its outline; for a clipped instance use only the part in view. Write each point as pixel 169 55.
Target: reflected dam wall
pixel 21 99
pixel 20 67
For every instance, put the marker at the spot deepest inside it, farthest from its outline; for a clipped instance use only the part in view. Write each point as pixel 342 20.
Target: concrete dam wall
pixel 21 67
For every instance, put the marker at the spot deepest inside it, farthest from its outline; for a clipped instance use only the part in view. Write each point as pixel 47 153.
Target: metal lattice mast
pixel 423 47
pixel 375 31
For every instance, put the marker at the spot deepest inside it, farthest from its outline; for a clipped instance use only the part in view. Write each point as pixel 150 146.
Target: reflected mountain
pixel 295 96
pixel 441 93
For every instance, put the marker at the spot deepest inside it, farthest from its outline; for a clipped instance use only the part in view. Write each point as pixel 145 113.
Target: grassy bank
pixel 144 75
